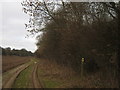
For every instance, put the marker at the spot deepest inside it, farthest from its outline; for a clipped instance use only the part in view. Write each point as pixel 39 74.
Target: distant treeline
pixel 16 52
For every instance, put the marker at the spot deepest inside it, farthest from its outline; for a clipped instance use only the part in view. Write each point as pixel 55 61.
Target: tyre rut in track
pixel 36 82
pixel 11 80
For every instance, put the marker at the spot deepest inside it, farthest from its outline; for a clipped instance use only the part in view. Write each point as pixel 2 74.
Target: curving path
pixel 14 74
pixel 10 81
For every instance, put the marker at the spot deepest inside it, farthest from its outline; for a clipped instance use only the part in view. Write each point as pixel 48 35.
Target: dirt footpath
pixel 36 82
pixel 10 81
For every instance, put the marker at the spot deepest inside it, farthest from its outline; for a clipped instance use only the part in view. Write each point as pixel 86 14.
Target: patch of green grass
pixel 33 60
pixel 47 81
pixel 23 79
pixel 50 83
pixel 41 72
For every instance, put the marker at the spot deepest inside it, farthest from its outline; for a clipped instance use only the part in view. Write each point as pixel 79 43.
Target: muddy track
pixel 10 81
pixel 35 80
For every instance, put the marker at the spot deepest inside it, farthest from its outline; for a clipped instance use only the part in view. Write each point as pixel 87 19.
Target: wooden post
pixel 82 62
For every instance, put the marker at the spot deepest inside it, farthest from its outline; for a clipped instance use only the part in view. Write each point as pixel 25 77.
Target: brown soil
pixel 9 62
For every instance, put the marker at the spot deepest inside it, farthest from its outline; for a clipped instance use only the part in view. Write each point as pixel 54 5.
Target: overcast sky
pixel 13 28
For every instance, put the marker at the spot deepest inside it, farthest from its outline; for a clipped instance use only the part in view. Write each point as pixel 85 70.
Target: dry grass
pixel 51 73
pixel 9 62
pixel 97 80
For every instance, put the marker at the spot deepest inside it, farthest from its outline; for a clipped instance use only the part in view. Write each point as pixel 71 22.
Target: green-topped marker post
pixel 82 69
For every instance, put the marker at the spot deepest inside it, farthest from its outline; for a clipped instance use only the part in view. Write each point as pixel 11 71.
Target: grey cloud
pixel 13 29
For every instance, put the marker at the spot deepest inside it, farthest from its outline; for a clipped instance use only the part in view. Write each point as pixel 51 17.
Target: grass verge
pixel 22 81
pixel 50 83
pixel 47 81
pixel 53 75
